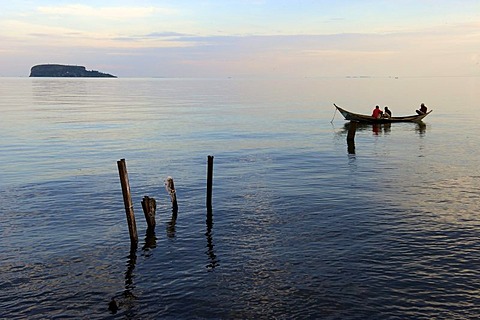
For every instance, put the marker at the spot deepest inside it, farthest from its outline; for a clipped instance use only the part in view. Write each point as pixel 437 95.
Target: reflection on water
pixel 210 246
pixel 170 228
pixel 129 297
pixel 385 128
pixel 377 130
pixel 150 240
pixel 420 127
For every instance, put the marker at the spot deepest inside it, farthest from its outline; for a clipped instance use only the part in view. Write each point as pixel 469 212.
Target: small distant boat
pixel 369 119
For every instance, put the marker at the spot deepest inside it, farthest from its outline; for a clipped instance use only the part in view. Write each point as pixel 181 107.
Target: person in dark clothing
pixel 423 109
pixel 388 113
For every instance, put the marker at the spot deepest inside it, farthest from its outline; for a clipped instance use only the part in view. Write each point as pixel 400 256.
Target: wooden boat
pixel 369 119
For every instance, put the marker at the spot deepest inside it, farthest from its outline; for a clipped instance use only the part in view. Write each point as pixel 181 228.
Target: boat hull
pixel 369 119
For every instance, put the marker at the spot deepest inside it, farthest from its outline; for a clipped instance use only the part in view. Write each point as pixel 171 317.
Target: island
pixel 59 70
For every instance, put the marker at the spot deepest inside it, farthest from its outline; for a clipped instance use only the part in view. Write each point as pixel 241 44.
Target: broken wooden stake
pixel 149 206
pixel 171 191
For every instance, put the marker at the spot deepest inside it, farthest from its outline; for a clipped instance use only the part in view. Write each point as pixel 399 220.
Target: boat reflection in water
pixel 376 128
pixel 385 128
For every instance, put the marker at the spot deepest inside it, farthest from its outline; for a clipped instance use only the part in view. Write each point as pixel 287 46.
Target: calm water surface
pixel 301 228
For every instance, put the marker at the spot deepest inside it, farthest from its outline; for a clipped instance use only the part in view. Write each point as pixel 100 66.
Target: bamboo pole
pixel 127 200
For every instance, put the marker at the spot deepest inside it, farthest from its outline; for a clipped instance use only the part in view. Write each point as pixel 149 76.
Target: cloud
pixel 115 13
pixel 18 29
pixel 158 40
pixel 154 36
pixel 166 34
pixel 347 53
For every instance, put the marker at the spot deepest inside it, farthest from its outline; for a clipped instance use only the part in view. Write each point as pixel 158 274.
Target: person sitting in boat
pixel 388 113
pixel 423 109
pixel 377 112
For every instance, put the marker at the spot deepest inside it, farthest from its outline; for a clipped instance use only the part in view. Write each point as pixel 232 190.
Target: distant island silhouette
pixel 59 70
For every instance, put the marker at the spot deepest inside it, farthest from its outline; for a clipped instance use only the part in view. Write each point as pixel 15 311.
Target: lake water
pixel 301 228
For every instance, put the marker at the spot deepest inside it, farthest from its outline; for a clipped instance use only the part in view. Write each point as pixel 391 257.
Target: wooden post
pixel 351 137
pixel 209 181
pixel 149 206
pixel 127 200
pixel 171 191
pixel 351 130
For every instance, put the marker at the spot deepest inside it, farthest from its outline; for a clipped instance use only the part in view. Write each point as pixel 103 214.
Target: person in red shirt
pixel 377 112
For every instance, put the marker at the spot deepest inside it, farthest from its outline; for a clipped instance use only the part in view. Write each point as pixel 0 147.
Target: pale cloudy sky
pixel 243 38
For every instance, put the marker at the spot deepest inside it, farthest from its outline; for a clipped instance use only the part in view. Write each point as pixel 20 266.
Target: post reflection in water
pixel 131 262
pixel 213 262
pixel 150 241
pixel 127 298
pixel 171 224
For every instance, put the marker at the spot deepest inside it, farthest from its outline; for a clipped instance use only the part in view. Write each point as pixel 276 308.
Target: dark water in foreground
pixel 301 229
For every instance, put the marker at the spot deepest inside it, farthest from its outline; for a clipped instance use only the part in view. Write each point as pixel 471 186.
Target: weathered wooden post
pixel 351 137
pixel 171 191
pixel 209 181
pixel 127 200
pixel 149 206
pixel 352 128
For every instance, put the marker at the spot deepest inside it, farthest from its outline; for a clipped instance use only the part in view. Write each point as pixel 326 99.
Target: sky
pixel 244 38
